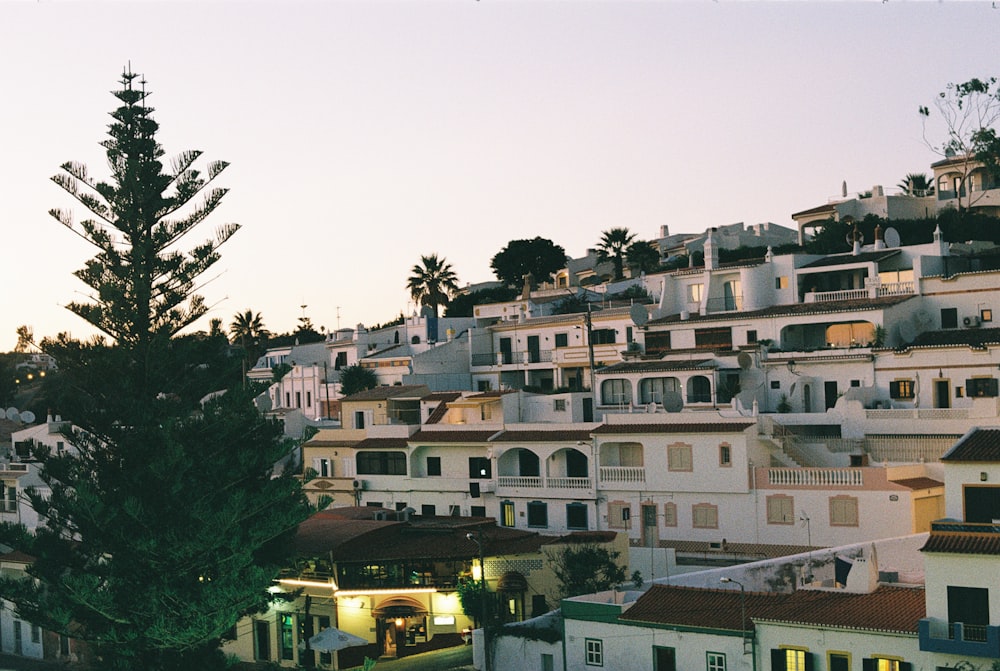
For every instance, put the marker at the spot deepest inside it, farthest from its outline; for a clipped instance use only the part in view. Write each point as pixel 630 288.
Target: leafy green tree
pixel 356 378
pixel 585 569
pixel 168 524
pixel 970 112
pixel 462 305
pixel 432 282
pixel 642 257
pixel 539 257
pixel 612 248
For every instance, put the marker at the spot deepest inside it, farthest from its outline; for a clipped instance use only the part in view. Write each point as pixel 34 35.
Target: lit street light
pixel 477 538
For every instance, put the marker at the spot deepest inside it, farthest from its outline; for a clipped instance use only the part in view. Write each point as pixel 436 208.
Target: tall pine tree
pixel 170 522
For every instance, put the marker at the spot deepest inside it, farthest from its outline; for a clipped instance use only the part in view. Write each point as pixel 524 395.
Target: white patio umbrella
pixel 332 640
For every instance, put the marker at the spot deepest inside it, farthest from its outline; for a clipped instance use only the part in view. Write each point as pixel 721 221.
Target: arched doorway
pixel 394 618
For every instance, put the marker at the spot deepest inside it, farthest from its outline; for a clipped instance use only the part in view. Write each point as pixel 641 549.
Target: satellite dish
pixel 28 417
pixel 672 401
pixel 13 414
pixel 891 237
pixel 850 238
pixel 638 314
pixel 744 360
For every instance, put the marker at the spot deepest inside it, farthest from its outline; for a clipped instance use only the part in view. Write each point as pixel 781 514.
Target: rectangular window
pixel 669 514
pixel 309 399
pixel 664 659
pixel 714 338
pixel 595 651
pixel 428 510
pixel 298 399
pixel 838 661
pixel 619 515
pixel 477 511
pixel 986 315
pixel 775 384
pixel 341 361
pixel 980 387
pixel 548 663
pixel 843 511
pixel 359 419
pixel 286 622
pixel 901 389
pixel 679 457
pixel 949 318
pixel 781 282
pixel 36 634
pixel 715 661
pixel 507 515
pixel 559 405
pixel 657 342
pixel 538 514
pixel 576 516
pixel 288 400
pixel 602 336
pixel 562 340
pixel 694 292
pixel 261 640
pixel 885 664
pixel 381 463
pixel 323 467
pixel 780 509
pixel 704 516
pixel 433 465
pixel 480 468
pixel 725 455
pixel 751 336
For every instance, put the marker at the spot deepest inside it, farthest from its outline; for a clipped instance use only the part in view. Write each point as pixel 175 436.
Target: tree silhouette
pixel 612 248
pixel 432 282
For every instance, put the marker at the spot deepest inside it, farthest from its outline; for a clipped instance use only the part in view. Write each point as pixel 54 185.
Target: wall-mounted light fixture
pixel 983 476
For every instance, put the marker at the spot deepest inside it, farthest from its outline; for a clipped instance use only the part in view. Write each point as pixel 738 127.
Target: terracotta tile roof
pixel 442 396
pixel 790 310
pixel 438 414
pixel 743 550
pixel 469 436
pixel 492 394
pixel 977 445
pixel 560 435
pixel 384 443
pixel 894 609
pixel 586 537
pixel 919 483
pixel 17 557
pixel 963 543
pixel 976 338
pixel 649 366
pixel 319 535
pixel 401 541
pixel 385 392
pixel 690 427
pixel 816 210
pixel 330 443
pixel 846 259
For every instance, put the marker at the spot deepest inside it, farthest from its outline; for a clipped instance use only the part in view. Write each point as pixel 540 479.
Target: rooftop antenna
pixel 338 317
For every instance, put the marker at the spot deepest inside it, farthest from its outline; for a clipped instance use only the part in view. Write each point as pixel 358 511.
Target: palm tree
pixel 612 247
pixel 357 378
pixel 248 330
pixel 914 184
pixel 432 282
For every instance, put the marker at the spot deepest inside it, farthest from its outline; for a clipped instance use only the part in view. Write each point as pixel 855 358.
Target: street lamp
pixel 743 610
pixel 477 538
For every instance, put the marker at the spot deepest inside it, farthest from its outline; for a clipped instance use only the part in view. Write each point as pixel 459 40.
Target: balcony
pixel 872 290
pixel 815 477
pixel 538 482
pixel 959 638
pixel 623 475
pixel 569 483
pixel 519 481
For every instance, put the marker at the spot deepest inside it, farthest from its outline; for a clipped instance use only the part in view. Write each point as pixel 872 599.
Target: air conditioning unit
pixel 970 321
pixel 358 485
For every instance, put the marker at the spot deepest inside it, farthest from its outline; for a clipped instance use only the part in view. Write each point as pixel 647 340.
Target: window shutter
pixel 991 387
pixel 869 665
pixel 810 661
pixel 894 389
pixel 907 666
pixel 778 660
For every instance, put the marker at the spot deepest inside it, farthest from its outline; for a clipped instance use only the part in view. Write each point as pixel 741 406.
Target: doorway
pixel 942 395
pixel 650 530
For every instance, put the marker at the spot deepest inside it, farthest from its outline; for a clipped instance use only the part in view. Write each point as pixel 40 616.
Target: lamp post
pixel 477 538
pixel 743 612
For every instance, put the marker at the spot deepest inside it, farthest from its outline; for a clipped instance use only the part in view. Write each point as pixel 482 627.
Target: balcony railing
pixel 872 290
pixel 815 477
pixel 569 483
pixel 519 481
pixel 629 474
pixel 959 638
pixel 535 482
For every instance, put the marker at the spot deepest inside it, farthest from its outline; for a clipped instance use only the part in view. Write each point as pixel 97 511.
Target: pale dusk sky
pixel 364 134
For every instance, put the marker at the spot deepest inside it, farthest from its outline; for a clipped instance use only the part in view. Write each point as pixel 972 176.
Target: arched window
pixel 415 340
pixel 699 390
pixel 616 392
